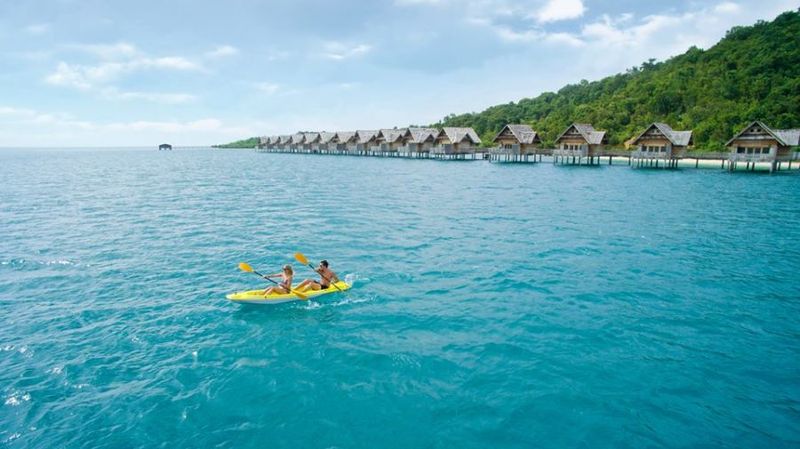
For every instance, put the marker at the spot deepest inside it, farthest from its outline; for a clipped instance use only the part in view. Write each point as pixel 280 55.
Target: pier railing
pixel 561 152
pixel 743 157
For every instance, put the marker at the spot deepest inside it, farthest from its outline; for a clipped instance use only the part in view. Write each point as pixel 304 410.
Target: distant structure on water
pixel 579 142
pixel 659 142
pixel 164 146
pixel 759 143
pixel 515 143
pixel 658 146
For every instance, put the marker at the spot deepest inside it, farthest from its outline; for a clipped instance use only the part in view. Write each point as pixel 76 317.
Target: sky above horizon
pixel 110 73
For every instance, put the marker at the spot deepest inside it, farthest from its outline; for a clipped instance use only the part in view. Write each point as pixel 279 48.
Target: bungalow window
pixel 740 150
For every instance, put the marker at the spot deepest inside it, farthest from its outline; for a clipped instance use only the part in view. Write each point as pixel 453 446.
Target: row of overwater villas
pixel 447 141
pixel 755 143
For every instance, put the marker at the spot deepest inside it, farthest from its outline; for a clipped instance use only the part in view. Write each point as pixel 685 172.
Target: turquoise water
pixel 500 306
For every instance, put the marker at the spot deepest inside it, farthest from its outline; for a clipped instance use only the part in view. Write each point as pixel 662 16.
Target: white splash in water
pixel 17 399
pixel 351 300
pixel 56 370
pixel 351 278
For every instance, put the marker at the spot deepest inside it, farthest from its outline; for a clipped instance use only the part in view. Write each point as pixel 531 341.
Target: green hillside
pixel 251 142
pixel 753 73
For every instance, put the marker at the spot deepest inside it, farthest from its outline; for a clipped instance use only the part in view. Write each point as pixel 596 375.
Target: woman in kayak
pixel 326 277
pixel 285 285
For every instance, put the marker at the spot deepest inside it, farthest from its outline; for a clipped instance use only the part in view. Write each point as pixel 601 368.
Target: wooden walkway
pixel 690 159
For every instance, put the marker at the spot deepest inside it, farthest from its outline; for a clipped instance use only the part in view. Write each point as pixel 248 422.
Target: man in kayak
pixel 326 277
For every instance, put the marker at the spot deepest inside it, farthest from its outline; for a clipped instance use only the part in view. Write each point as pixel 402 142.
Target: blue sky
pixel 109 73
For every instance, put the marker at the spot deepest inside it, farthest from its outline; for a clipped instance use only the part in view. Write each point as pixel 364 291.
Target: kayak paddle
pixel 246 267
pixel 302 259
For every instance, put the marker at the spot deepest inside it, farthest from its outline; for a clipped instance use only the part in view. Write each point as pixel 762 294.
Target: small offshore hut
pixel 456 143
pixel 282 143
pixel 515 143
pixel 759 143
pixel 346 142
pixel 326 143
pixel 419 141
pixel 579 142
pixel 389 141
pixel 659 142
pixel 165 147
pixel 365 140
pixel 310 142
pixel 296 142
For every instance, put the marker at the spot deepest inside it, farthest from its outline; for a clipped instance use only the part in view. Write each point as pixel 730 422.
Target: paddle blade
pixel 245 267
pixel 301 258
pixel 300 295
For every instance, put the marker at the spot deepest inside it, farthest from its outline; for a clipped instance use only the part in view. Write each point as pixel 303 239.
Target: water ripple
pixel 495 305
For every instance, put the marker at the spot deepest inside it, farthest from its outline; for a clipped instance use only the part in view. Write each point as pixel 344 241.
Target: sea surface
pixel 495 305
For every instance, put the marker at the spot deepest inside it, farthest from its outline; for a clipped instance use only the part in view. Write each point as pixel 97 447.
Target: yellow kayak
pixel 257 296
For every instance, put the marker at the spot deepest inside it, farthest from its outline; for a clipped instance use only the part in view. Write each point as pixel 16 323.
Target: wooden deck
pixel 692 159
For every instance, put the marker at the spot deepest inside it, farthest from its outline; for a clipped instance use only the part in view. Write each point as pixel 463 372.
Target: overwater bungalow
pixel 456 142
pixel 311 142
pixel 659 142
pixel 365 140
pixel 759 143
pixel 263 142
pixel 514 143
pixel 389 141
pixel 579 142
pixel 296 142
pixel 326 142
pixel 346 142
pixel 419 141
pixel 283 143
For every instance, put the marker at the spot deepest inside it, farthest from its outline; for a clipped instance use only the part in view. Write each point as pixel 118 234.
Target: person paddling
pixel 326 277
pixel 285 285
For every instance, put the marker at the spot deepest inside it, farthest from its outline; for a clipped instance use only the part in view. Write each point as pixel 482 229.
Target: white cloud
pixel 268 88
pixel 37 128
pixel 556 10
pixel 347 86
pixel 23 116
pixel 153 97
pixel 222 51
pixel 37 28
pixel 338 51
pixel 66 75
pixel 119 50
pixel 117 61
pixel 418 2
pixel 727 8
pixel 510 35
pixel 564 38
pixel 86 77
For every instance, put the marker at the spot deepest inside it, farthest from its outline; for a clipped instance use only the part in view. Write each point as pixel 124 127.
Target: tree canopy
pixel 753 73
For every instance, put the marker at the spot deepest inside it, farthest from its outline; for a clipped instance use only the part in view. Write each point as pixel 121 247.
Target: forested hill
pixel 751 74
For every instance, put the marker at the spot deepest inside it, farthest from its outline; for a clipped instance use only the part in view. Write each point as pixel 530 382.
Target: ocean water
pixel 501 306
